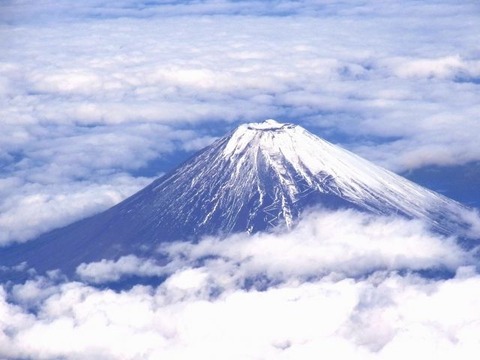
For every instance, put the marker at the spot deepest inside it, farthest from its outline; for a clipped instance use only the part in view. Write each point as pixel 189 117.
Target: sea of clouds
pixel 340 283
pixel 95 94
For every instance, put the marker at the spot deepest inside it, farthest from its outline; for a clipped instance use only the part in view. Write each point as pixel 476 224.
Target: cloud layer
pixel 341 282
pixel 96 96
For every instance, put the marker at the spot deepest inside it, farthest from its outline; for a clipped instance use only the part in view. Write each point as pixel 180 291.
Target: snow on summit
pixel 299 158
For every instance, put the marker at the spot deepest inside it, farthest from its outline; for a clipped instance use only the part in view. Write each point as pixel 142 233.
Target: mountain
pixel 259 176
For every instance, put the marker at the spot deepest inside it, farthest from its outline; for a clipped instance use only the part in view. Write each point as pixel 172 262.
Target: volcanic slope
pixel 259 176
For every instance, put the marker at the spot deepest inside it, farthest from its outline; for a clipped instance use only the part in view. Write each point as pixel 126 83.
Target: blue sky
pixel 98 98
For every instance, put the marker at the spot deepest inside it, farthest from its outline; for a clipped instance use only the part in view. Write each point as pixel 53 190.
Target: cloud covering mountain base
pixel 340 282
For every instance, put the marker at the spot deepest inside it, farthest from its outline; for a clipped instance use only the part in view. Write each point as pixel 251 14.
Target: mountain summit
pixel 259 176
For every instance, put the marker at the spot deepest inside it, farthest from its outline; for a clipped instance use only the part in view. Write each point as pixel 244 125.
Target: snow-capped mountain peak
pixel 267 173
pixel 258 176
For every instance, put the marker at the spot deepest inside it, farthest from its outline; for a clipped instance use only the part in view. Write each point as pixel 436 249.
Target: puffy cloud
pixel 346 243
pixel 64 175
pixel 28 210
pixel 445 67
pixel 213 68
pixel 472 217
pixel 381 316
pixel 340 282
pixel 109 270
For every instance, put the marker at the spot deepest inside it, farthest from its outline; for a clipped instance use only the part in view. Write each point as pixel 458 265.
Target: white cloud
pixel 340 282
pixel 472 217
pixel 444 67
pixel 63 176
pixel 109 270
pixel 28 210
pixel 346 243
pixel 383 316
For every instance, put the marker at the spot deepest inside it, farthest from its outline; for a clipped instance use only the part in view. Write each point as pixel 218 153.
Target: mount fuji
pixel 259 176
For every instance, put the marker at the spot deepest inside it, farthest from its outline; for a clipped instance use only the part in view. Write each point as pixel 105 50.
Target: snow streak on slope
pixel 265 174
